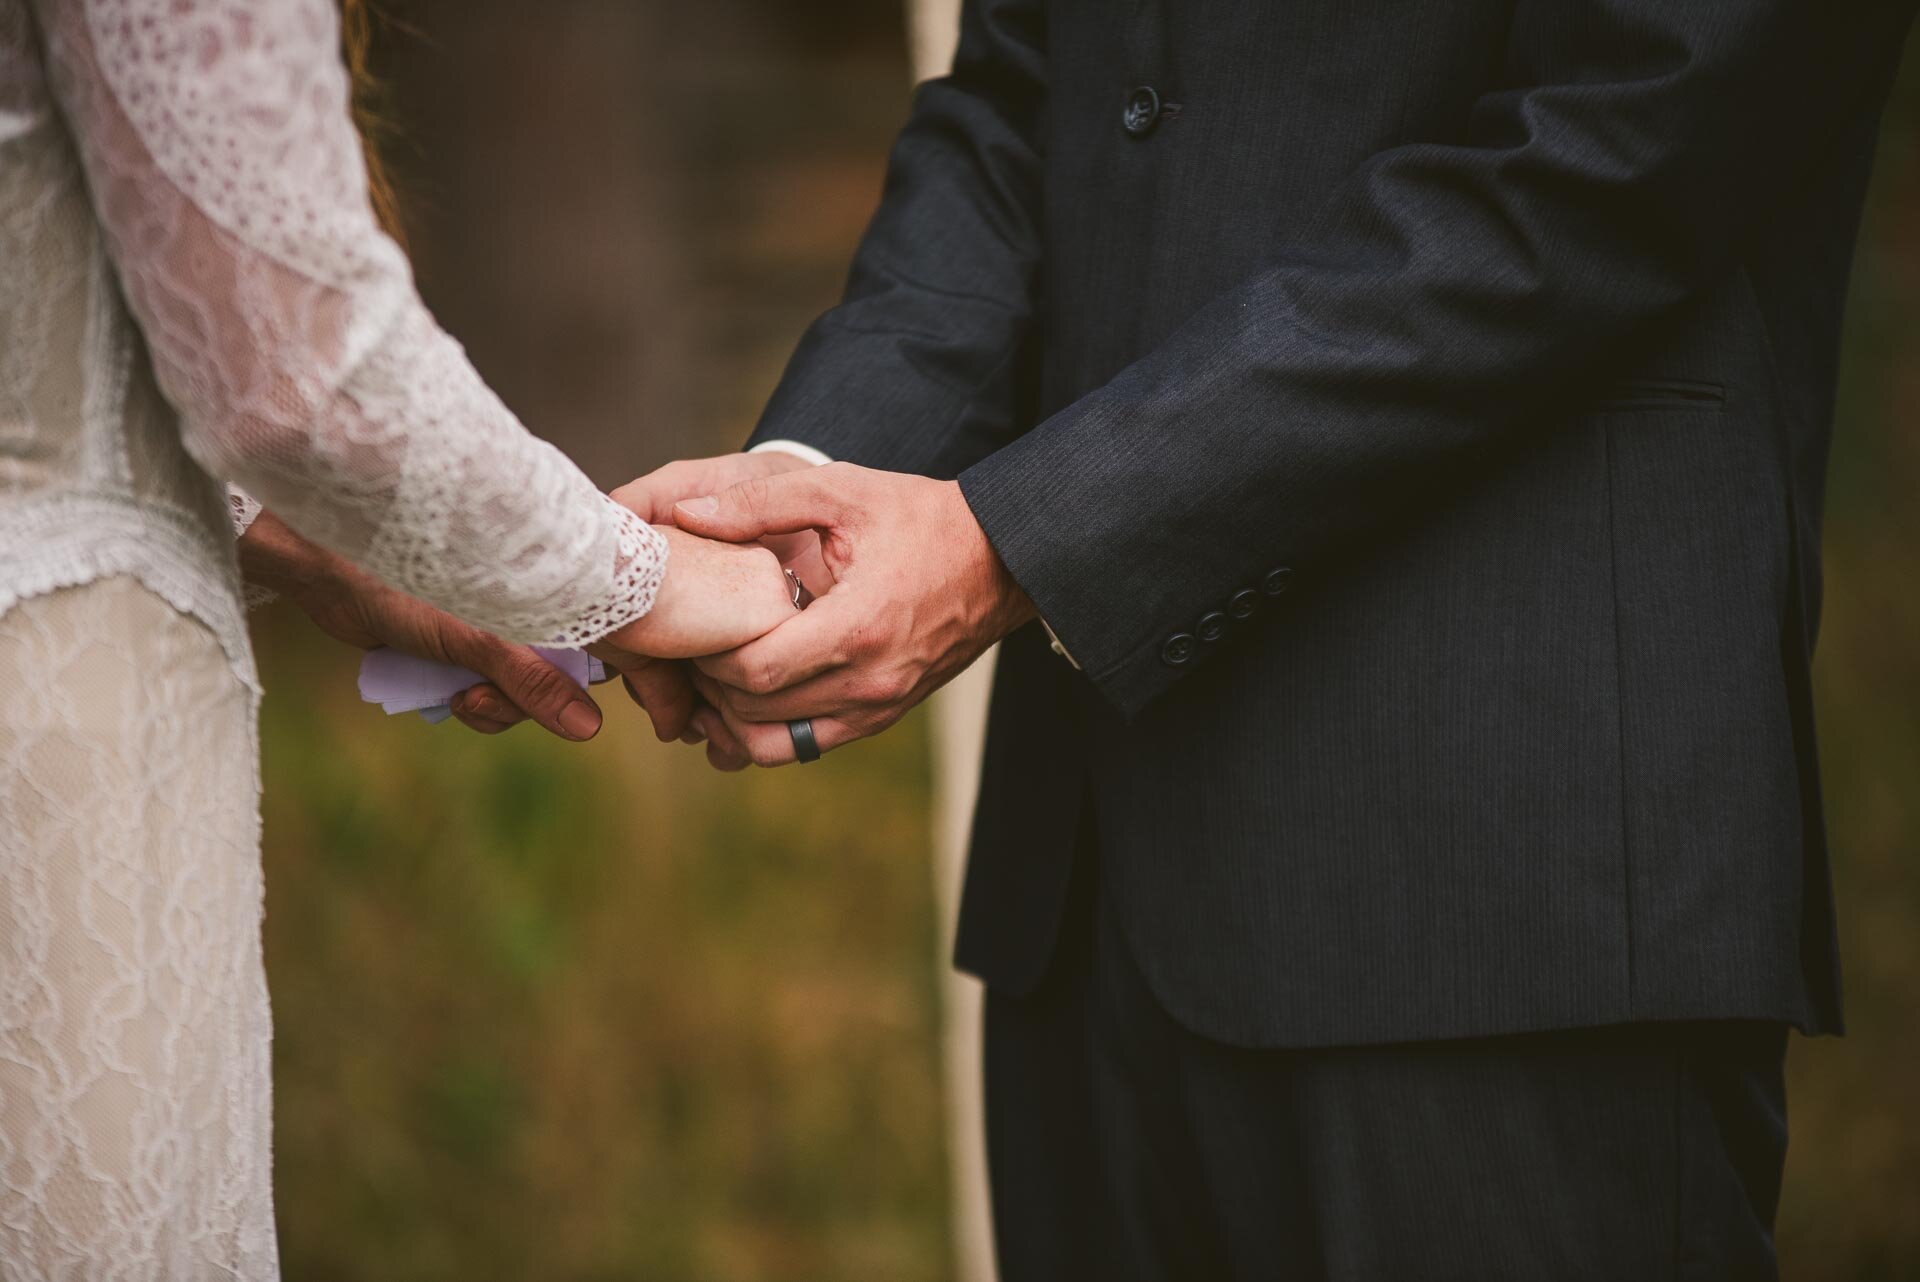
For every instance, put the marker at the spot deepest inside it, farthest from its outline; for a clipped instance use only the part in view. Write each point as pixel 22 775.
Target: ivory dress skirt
pixel 135 1091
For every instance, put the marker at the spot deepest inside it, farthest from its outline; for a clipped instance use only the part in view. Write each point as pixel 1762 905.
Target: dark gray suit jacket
pixel 1412 416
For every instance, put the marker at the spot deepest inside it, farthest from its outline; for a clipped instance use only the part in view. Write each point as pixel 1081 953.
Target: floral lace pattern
pixel 284 325
pixel 134 1036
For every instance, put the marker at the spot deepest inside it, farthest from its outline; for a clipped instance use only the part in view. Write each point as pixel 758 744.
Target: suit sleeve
pixel 924 366
pixel 1432 309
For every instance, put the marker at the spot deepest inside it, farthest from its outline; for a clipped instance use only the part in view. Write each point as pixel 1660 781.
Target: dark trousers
pixel 1122 1146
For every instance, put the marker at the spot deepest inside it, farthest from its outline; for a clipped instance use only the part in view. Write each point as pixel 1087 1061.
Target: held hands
pixel 909 592
pixel 917 593
pixel 665 690
pixel 351 605
pixel 715 596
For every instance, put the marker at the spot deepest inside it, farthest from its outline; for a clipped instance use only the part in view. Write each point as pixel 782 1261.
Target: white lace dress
pixel 193 290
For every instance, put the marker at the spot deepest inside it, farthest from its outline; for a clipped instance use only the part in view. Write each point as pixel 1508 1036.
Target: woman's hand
pixel 715 596
pixel 711 592
pixel 351 605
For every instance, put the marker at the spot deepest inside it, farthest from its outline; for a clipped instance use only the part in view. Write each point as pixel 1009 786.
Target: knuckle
pixel 539 684
pixel 752 494
pixel 472 648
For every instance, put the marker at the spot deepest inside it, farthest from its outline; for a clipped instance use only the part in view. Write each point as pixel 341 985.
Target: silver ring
pixel 805 746
pixel 797 591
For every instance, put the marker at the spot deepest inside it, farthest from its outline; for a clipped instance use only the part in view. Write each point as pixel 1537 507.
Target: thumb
pixel 785 503
pixel 537 688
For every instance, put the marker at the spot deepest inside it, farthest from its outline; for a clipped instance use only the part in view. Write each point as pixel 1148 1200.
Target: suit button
pixel 1276 581
pixel 1177 651
pixel 1212 627
pixel 1142 111
pixel 1244 605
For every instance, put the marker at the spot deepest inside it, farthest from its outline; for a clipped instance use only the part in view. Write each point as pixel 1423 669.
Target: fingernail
pixel 580 720
pixel 705 505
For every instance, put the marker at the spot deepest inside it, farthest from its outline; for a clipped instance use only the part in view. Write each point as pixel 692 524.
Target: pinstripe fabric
pixel 1507 328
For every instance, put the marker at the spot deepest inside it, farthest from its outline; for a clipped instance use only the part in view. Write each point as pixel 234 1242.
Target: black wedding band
pixel 805 746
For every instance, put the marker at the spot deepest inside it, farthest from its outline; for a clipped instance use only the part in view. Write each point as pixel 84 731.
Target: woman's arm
pixel 285 327
pixel 352 606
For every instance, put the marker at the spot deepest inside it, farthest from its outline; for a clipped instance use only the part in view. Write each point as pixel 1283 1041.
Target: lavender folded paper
pixel 406 683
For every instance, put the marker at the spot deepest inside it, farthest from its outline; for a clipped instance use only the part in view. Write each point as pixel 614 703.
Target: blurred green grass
pixel 559 1011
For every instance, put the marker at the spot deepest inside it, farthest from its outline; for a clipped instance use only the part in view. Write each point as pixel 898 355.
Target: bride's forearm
pixel 274 557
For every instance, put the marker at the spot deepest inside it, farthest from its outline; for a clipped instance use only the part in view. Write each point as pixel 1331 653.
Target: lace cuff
pixel 639 565
pixel 244 508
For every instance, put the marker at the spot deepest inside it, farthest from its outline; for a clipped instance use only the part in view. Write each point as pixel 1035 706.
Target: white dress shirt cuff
pixel 804 452
pixel 1059 647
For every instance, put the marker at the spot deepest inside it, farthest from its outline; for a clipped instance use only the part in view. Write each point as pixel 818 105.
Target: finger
pixel 770 744
pixel 664 693
pixel 838 691
pixel 486 702
pixel 817 640
pixel 533 686
pixel 786 503
pixel 807 559
pixel 796 551
pixel 479 724
pixel 651 497
pixel 724 751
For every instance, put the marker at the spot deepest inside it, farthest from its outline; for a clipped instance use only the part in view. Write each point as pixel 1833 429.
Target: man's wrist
pixel 1008 605
pixel 1016 606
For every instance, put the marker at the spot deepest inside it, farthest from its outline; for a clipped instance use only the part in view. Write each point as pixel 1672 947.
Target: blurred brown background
pixel 593 1013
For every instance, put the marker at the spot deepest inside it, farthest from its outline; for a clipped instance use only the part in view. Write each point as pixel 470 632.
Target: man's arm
pixel 1442 297
pixel 924 366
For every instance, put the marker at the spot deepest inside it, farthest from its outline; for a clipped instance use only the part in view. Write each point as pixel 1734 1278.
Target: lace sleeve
pixel 285 327
pixel 244 508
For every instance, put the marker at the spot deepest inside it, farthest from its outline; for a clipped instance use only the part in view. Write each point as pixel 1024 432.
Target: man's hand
pixel 351 605
pixel 664 690
pixel 918 594
pixel 652 497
